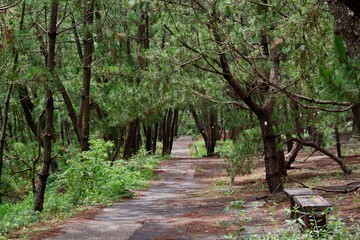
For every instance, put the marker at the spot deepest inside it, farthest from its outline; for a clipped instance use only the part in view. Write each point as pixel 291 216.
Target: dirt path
pixel 172 208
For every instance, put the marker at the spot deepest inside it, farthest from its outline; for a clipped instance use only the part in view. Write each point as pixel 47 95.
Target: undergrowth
pixel 335 228
pixel 87 179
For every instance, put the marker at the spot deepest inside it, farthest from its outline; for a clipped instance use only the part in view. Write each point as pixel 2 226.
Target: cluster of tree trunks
pixel 208 127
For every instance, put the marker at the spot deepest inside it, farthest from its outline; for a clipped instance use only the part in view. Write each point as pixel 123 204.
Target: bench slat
pixel 312 203
pixel 298 191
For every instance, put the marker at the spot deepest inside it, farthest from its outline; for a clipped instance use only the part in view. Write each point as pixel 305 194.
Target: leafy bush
pixel 242 154
pixel 7 187
pixel 88 178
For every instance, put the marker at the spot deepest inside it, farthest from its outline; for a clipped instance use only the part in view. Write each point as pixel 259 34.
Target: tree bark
pixel 88 43
pixel 338 142
pixel 148 138
pixel 273 156
pixel 49 112
pixel 291 156
pixel 356 113
pixel 167 132
pixel 174 125
pixel 130 140
pixel 213 131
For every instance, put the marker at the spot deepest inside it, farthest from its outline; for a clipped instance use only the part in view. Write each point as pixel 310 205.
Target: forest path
pixel 176 206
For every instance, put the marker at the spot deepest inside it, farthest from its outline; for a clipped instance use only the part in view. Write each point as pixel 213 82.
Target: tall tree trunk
pixel 274 157
pixel 296 147
pixel 88 42
pixel 337 139
pixel 167 132
pixel 174 124
pixel 49 112
pixel 130 140
pixel 356 113
pixel 119 144
pixel 148 138
pixel 212 133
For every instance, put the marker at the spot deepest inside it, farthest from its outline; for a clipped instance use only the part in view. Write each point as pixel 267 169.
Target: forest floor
pixel 188 195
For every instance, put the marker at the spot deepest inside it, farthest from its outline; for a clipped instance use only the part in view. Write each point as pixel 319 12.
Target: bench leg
pixel 316 221
pixel 306 221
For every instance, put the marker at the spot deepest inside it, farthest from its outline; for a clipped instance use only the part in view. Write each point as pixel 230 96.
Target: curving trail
pixel 176 206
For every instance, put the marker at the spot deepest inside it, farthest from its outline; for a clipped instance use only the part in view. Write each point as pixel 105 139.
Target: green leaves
pixel 340 49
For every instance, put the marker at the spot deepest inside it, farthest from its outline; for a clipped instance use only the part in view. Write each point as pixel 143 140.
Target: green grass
pixel 198 148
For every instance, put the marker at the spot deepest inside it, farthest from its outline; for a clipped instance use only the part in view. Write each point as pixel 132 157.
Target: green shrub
pixel 87 179
pixel 242 154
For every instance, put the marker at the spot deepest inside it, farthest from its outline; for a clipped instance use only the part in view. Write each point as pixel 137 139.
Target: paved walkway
pixel 180 147
pixel 164 211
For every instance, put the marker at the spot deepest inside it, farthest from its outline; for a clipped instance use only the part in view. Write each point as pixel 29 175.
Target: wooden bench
pixel 291 193
pixel 313 209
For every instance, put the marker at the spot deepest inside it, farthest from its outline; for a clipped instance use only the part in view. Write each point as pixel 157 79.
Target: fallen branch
pixel 327 190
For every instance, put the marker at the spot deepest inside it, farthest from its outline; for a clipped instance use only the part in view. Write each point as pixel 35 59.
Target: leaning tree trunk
pixel 49 113
pixel 324 151
pixel 198 124
pixel 290 157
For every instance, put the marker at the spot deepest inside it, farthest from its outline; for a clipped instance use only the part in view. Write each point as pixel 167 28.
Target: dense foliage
pixel 89 88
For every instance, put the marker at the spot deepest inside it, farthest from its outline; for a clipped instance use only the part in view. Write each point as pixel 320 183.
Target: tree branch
pixel 324 151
